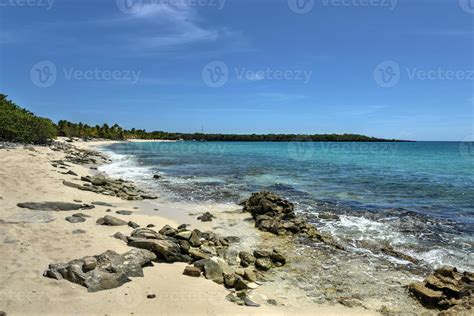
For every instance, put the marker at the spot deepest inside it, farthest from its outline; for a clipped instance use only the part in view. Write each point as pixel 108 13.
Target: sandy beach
pixel 31 240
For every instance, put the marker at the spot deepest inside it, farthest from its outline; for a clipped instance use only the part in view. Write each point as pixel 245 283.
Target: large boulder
pixel 54 206
pixel 262 203
pixel 105 271
pixel 108 220
pixel 445 289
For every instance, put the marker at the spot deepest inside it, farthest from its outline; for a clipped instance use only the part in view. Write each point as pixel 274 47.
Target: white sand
pixel 29 241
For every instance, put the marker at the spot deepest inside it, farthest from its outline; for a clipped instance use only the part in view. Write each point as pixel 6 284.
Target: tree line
pixel 20 125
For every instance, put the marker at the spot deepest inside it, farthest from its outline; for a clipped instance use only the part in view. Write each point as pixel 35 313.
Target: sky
pixel 385 68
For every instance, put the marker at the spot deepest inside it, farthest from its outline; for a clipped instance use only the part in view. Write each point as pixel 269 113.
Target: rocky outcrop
pixel 446 289
pixel 54 206
pixel 105 271
pixel 276 215
pixel 103 185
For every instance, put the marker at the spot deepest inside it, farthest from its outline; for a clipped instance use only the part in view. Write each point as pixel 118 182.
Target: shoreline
pixel 31 240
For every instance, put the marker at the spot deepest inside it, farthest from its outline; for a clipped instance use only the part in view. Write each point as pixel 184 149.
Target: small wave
pixel 126 167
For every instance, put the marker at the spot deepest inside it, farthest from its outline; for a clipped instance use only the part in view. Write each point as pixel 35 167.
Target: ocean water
pixel 419 196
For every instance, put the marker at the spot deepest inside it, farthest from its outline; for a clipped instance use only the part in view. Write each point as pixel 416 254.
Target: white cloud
pixel 171 25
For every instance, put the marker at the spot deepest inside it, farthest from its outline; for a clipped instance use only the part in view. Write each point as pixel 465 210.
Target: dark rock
pixel 240 284
pixel 198 254
pixel 105 271
pixel 72 173
pixel 249 302
pixel 261 254
pixel 75 219
pixel 192 271
pixel 328 216
pixel 124 212
pixel 213 271
pixel 120 236
pixel 81 215
pixel 168 231
pixel 206 217
pixel 108 220
pixel 277 257
pixel 133 224
pixel 194 239
pixel 246 259
pixel 446 289
pixel 272 302
pixel 78 231
pixel 229 280
pixel 53 206
pixel 390 251
pixel 150 226
pixel 151 296
pixel 264 263
pixel 156 177
pixel 185 245
pixel 72 185
pixel 102 204
pixel 182 226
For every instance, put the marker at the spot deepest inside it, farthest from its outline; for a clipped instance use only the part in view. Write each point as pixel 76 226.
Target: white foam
pixel 125 167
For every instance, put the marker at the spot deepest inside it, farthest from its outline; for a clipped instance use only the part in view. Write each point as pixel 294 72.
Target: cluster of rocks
pixel 206 253
pixel 78 156
pixel 105 271
pixel 446 289
pixel 276 215
pixel 100 184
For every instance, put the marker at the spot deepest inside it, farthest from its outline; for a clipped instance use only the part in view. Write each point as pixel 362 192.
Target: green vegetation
pixel 115 132
pixel 22 126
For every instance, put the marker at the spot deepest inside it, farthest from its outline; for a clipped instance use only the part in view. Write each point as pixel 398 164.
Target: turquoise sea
pixel 419 196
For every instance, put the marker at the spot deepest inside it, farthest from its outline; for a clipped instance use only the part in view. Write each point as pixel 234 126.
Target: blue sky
pixel 394 69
